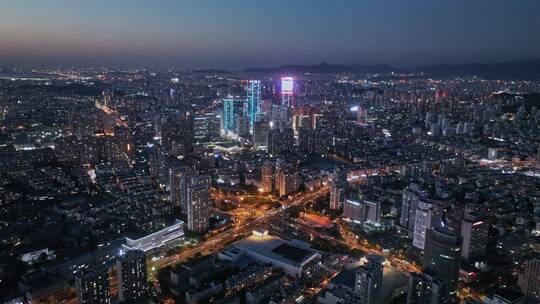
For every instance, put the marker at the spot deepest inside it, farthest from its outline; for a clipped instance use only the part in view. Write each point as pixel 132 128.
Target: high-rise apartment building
pixel 338 188
pixel 267 177
pixel 411 196
pixel 428 215
pixel 529 279
pixel 93 286
pixel 132 276
pixel 198 203
pixel 368 284
pixel 177 179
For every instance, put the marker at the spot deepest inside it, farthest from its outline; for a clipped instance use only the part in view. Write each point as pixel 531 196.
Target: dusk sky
pixel 238 33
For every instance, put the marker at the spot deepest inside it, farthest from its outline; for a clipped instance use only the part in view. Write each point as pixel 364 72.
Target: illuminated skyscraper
pixel 232 111
pixel 198 203
pixel 253 90
pixel 338 187
pixel 286 91
pixel 282 113
pixel 178 174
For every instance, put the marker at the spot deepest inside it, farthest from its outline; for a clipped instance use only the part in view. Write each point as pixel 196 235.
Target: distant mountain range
pixel 516 70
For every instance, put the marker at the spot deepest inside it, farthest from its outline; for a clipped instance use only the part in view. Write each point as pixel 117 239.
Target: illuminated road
pixel 396 261
pixel 221 240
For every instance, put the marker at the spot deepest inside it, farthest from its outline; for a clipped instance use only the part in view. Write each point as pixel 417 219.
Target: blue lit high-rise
pixel 253 90
pixel 228 114
pixel 232 110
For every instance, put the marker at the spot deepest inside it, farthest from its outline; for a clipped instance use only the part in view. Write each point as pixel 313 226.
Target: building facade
pixel 93 286
pixel 132 276
pixel 198 203
pixel 443 253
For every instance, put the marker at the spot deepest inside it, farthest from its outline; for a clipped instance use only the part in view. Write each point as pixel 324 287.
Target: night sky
pixel 238 33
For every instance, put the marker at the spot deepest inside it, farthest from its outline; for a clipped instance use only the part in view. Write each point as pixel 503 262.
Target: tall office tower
pixel 275 115
pixel 242 127
pixel 474 231
pixel 93 286
pixel 284 121
pixel 253 91
pixel 177 178
pixel 285 114
pixel 153 160
pixel 287 84
pixel 411 195
pixel 443 253
pixel 132 276
pixel 428 215
pixel 232 111
pixel 267 177
pixel 338 187
pixel 368 284
pixel 198 203
pixel 425 288
pixel 529 280
pixel 260 135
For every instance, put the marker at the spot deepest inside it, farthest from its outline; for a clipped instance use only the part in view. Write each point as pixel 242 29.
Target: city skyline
pixel 239 34
pixel 234 151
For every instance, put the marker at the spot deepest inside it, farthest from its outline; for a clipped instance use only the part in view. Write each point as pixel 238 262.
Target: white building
pixel 168 236
pixel 34 256
pixel 427 216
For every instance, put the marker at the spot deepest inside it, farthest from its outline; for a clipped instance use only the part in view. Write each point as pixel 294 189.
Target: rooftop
pixel 292 253
pixel 275 248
